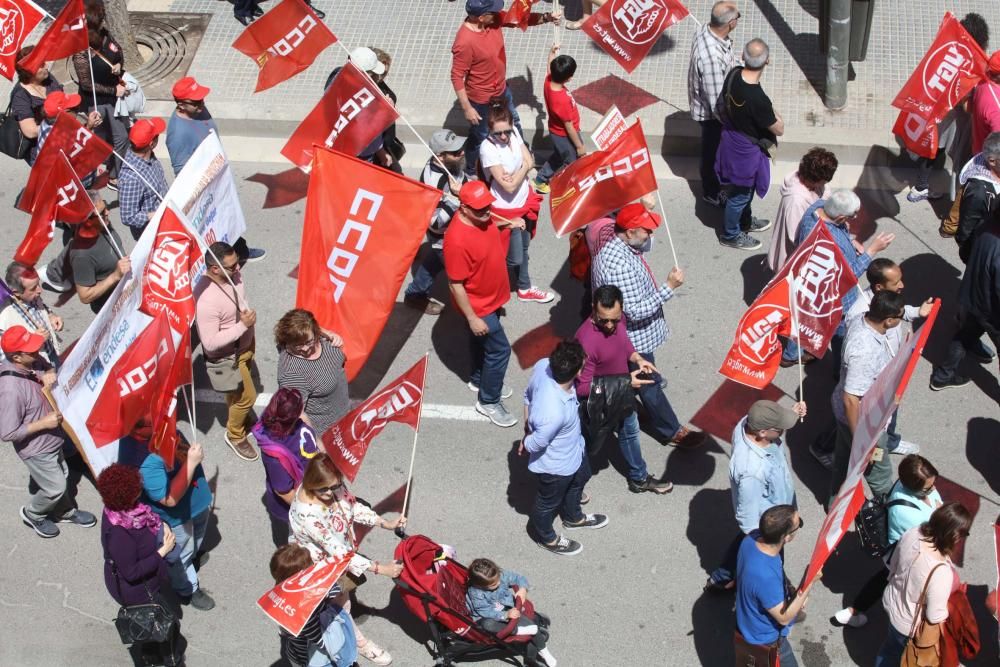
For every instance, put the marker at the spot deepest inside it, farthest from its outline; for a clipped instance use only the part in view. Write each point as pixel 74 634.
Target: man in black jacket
pixel 981 178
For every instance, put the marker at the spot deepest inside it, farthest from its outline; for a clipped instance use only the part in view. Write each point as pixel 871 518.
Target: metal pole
pixel 838 54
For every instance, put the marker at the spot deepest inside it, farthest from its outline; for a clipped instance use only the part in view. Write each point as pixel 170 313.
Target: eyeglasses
pixel 459 153
pixel 326 490
pixel 794 530
pixel 305 347
pixel 232 268
pixel 501 133
pixel 480 211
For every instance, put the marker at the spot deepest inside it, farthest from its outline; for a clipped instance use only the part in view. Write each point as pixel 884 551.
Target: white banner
pixel 205 194
pixel 611 127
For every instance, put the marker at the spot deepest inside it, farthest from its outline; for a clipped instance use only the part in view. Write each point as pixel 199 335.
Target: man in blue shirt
pixel 763 618
pixel 554 444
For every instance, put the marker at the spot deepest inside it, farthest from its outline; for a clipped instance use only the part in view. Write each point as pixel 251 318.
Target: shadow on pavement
pixel 521 483
pixel 803 47
pixel 710 529
pixel 756 273
pixel 398 329
pixel 981 448
pixel 450 337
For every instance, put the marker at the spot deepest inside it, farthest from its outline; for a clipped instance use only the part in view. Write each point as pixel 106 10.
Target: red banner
pixel 347 441
pixel 919 135
pixel 518 15
pixel 363 226
pixel 67 35
pixel 17 19
pixel 877 406
pixel 284 41
pixel 755 354
pixel 347 119
pixel 292 602
pixel 82 148
pixel 167 279
pixel 164 415
pixel 627 29
pixel 62 197
pixel 601 182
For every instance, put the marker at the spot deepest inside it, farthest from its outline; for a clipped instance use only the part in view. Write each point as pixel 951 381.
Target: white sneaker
pixel 43 276
pixel 854 620
pixel 505 391
pixel 906 448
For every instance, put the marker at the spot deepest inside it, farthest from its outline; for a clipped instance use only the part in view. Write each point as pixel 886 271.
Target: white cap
pixel 366 60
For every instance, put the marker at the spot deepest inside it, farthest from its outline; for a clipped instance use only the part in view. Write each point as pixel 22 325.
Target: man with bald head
pixel 712 57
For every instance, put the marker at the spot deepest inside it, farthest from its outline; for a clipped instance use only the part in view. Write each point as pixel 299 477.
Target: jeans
pixel 661 415
pixel 878 474
pixel 189 536
pixel 490 354
pixel 893 438
pixel 892 649
pixel 48 487
pixel 423 279
pixel 970 329
pixel 517 257
pixel 243 8
pixel 711 135
pixel 786 658
pixel 628 441
pixel 558 494
pixel 479 132
pixel 737 215
pixel 241 401
pixel 564 153
pixel 726 571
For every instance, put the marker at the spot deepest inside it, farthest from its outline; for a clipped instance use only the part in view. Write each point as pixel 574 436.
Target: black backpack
pixel 872 525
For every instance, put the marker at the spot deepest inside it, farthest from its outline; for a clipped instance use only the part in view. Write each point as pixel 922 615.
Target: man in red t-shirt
pixel 475 261
pixel 564 119
pixel 479 68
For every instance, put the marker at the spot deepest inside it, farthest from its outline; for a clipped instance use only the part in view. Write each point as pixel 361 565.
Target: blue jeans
pixel 661 415
pixel 791 351
pixel 737 215
pixel 189 536
pixel 893 439
pixel 490 354
pixel 517 257
pixel 892 649
pixel 423 279
pixel 564 152
pixel 558 494
pixel 786 658
pixel 478 133
pixel 628 441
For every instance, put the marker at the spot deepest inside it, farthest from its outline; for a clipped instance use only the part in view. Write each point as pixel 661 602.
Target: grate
pixel 171 40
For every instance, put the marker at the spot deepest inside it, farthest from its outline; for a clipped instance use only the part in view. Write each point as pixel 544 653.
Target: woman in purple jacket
pixel 135 541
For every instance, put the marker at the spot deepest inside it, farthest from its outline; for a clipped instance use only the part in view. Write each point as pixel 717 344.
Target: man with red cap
pixel 141 181
pixel 476 264
pixel 620 263
pixel 30 423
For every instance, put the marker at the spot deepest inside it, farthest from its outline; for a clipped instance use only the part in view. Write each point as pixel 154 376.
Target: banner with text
pixel 628 29
pixel 292 602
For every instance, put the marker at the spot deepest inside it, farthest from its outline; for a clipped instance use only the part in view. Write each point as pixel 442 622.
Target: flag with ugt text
pixel 519 14
pixel 67 35
pixel 877 406
pixel 84 150
pixel 601 182
pixel 293 601
pixel 164 407
pixel 173 260
pixel 349 116
pixel 347 441
pixel 627 29
pixel 363 226
pixel 62 197
pixel 818 276
pixel 284 41
pixel 17 19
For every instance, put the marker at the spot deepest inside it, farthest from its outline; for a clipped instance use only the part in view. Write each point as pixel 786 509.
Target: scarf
pixel 140 516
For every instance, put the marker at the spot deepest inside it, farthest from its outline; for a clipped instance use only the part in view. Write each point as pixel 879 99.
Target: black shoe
pixel 320 14
pixel 200 600
pixel 758 225
pixel 589 521
pixel 562 546
pixel 714 587
pixel 257 11
pixel 245 20
pixel 650 484
pixel 955 381
pixel 741 241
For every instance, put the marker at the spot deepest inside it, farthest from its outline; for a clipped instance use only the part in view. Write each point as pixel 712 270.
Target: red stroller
pixel 433 588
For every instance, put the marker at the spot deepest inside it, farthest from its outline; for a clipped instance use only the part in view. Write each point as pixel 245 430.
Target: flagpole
pixel 93 86
pixel 413 452
pixel 798 341
pixel 670 239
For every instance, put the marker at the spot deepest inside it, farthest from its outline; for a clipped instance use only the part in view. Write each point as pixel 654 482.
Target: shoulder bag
pixel 754 655
pixel 224 372
pixel 915 655
pixel 12 140
pixel 142 623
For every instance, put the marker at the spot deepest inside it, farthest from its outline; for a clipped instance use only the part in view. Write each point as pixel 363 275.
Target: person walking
pixel 564 119
pixel 800 190
pixel 980 180
pixel 142 184
pixel 26 308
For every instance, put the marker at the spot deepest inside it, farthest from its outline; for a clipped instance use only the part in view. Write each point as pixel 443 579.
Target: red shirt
pixel 985 110
pixel 561 108
pixel 479 63
pixel 477 258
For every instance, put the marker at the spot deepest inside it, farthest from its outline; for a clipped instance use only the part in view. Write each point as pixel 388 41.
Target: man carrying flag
pixel 141 180
pixel 95 256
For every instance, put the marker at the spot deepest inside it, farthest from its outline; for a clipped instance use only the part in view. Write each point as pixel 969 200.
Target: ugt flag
pixel 601 182
pixel 292 602
pixel 17 19
pixel 348 118
pixel 347 441
pixel 284 41
pixel 67 35
pixel 627 29
pixel 62 197
pixel 173 261
pixel 362 229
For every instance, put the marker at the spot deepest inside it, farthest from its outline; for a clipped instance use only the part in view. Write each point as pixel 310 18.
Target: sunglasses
pixel 328 489
pixel 501 133
pixel 801 523
pixel 459 153
pixel 480 211
pixel 601 321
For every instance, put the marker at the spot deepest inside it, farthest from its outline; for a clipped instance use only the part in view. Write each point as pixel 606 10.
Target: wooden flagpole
pixel 413 452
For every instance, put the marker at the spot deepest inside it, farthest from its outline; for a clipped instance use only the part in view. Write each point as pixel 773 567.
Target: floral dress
pixel 329 531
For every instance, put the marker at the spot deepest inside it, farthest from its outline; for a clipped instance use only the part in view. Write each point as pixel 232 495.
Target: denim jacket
pixel 759 478
pixel 493 605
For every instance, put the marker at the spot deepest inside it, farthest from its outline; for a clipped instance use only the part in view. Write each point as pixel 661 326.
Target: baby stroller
pixel 433 588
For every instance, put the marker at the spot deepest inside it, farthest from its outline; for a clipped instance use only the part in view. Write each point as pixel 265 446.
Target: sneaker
pixel 759 225
pixel 589 521
pixel 685 438
pixel 43 276
pixel 981 352
pixel 375 653
pixel 505 391
pixel 849 618
pixel 242 448
pixel 80 518
pixel 713 586
pixel 535 294
pixel 905 448
pixel 562 546
pixel 201 600
pixel 540 188
pixel 255 254
pixel 112 185
pixel 44 528
pixel 428 305
pixel 650 484
pixel 717 201
pixel 497 414
pixel 825 459
pixel 741 241
pixel 955 381
pixel 915 195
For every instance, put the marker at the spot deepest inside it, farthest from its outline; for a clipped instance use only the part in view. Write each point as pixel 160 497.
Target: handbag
pixel 915 655
pixel 12 140
pixel 224 374
pixel 754 655
pixel 143 623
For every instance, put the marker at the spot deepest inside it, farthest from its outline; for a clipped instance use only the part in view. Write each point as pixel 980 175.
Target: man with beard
pixel 449 150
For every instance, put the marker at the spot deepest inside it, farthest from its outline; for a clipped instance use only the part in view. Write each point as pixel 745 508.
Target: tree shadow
pixel 981 444
pixel 522 89
pixel 521 484
pixel 803 47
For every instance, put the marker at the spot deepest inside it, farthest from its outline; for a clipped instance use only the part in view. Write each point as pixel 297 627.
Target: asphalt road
pixel 633 597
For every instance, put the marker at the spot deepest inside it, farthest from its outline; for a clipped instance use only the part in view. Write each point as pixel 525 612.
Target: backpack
pixel 872 525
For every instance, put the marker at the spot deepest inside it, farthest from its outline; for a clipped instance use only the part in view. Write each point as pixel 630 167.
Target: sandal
pixel 576 25
pixel 375 653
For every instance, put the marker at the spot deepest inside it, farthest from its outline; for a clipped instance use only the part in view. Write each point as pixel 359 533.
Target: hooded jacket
pixel 979 201
pixel 979 293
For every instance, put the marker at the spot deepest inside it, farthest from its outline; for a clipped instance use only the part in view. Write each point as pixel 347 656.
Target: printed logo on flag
pixel 358 101
pixel 11 27
pixel 383 407
pixel 816 275
pixel 167 273
pixel 622 167
pixel 639 21
pixel 759 340
pixel 136 378
pixel 295 36
pixel 351 240
pixel 941 71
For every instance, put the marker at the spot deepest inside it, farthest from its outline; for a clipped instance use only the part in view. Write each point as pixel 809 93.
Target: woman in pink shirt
pixel 800 190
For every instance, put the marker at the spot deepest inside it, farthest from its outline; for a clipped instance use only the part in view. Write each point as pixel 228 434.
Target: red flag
pixel 166 281
pixel 284 41
pixel 952 67
pixel 348 118
pixel 627 29
pixel 17 19
pixel 601 182
pixel 918 134
pixel 518 15
pixel 164 415
pixel 132 383
pixel 67 35
pixel 82 148
pixel 292 602
pixel 819 276
pixel 347 441
pixel 362 229
pixel 62 197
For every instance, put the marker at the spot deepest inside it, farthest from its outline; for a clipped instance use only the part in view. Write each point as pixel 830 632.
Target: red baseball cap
pixel 994 63
pixel 189 89
pixel 145 130
pixel 19 339
pixel 475 194
pixel 636 216
pixel 57 101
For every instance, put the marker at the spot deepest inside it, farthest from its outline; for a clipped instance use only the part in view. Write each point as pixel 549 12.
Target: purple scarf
pixel 140 516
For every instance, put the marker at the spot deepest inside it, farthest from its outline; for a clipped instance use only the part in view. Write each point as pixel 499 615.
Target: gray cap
pixel 768 414
pixel 446 141
pixel 366 60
